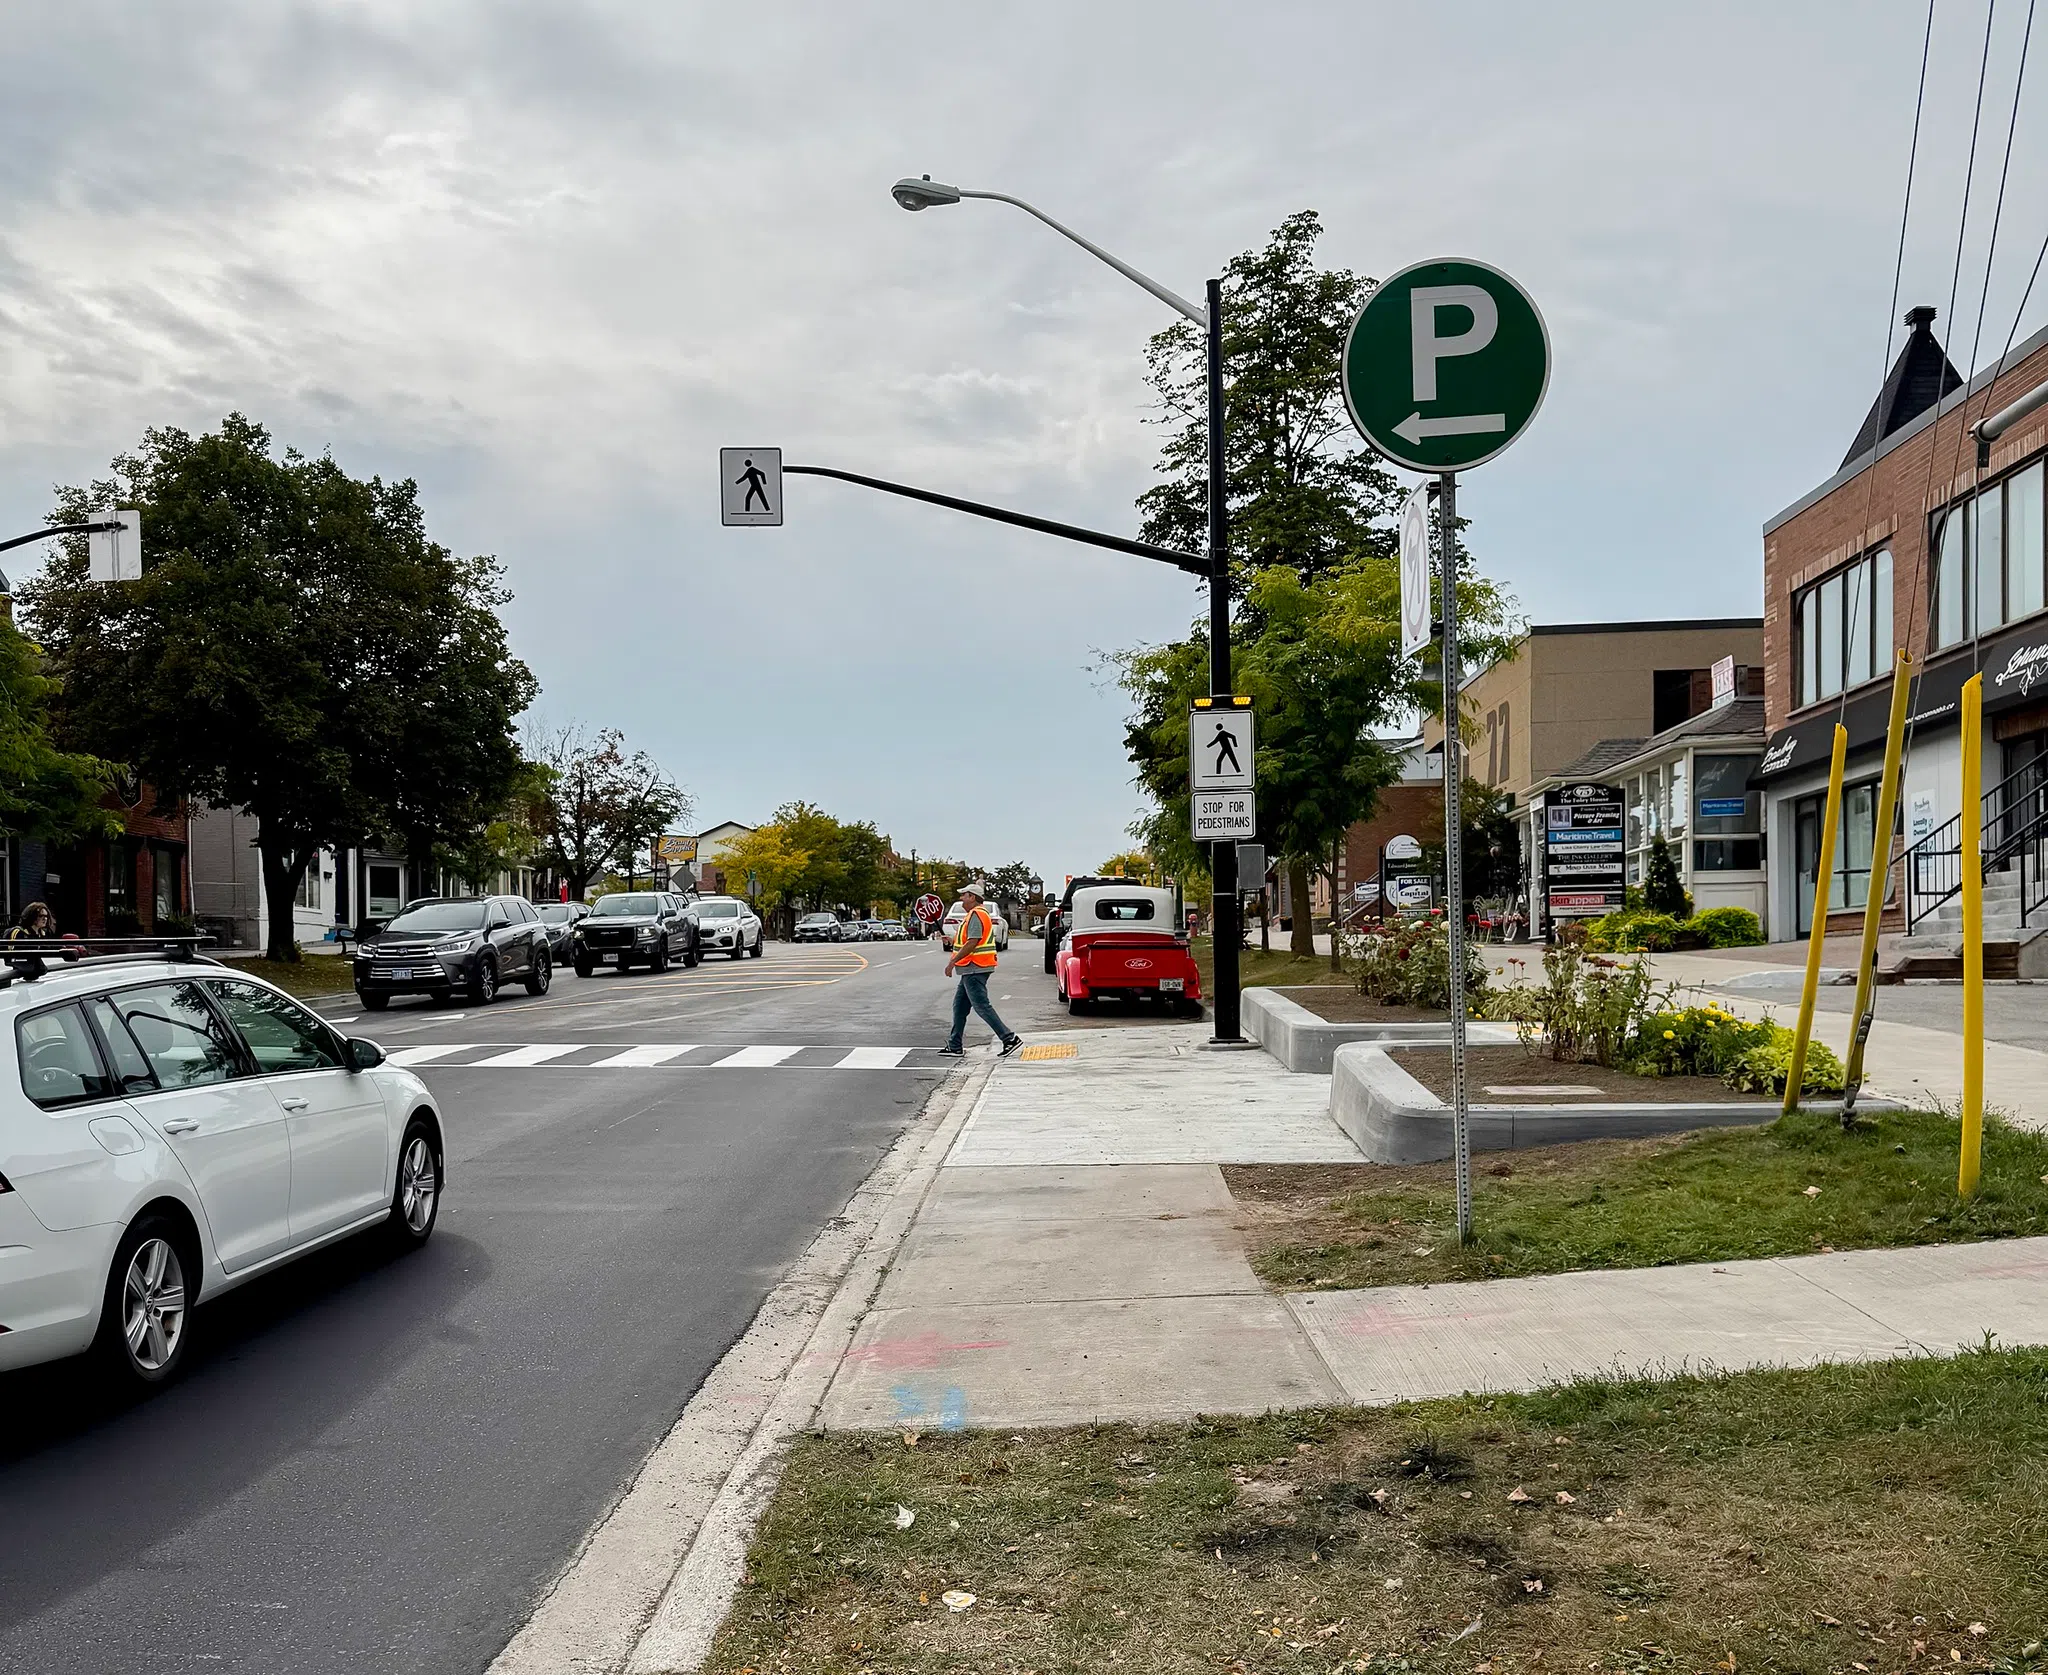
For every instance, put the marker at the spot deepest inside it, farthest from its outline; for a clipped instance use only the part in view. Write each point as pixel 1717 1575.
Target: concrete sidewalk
pixel 1077 1259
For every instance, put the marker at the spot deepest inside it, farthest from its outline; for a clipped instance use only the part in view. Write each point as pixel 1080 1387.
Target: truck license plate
pixel 1172 985
pixel 400 974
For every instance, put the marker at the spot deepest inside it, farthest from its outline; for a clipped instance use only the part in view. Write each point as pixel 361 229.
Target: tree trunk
pixel 284 868
pixel 1336 912
pixel 1301 917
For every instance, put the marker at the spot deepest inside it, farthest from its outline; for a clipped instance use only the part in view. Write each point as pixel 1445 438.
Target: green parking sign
pixel 1445 365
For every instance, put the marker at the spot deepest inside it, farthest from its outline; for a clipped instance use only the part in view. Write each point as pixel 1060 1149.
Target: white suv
pixel 726 925
pixel 170 1129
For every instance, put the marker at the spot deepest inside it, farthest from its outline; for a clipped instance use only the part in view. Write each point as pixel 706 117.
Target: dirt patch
pixel 1345 1005
pixel 1488 1068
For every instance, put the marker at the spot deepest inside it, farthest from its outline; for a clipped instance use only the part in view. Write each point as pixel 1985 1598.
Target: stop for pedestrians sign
pixel 1445 365
pixel 929 909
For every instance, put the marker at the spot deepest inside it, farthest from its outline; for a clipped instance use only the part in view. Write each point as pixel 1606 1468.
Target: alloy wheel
pixel 153 1304
pixel 418 1184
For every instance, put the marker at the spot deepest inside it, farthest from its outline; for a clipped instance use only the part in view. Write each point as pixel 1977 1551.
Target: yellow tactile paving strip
pixel 1048 1050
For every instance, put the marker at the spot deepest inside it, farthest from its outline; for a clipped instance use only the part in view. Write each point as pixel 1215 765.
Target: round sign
pixel 1445 365
pixel 930 909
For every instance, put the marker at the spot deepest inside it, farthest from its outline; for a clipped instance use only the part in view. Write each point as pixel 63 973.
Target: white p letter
pixel 1427 348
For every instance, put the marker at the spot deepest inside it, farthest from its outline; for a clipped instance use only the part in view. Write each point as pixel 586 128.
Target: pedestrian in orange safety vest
pixel 974 957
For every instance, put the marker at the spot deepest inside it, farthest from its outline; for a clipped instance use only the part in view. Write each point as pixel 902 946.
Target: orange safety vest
pixel 976 944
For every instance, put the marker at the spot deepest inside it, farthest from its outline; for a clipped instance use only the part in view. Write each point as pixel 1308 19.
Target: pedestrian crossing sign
pixel 750 486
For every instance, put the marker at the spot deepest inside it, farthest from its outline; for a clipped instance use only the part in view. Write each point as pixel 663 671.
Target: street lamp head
pixel 923 193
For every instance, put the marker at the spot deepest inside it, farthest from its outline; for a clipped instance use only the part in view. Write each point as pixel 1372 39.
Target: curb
pixel 651 1583
pixel 1308 1045
pixel 1393 1118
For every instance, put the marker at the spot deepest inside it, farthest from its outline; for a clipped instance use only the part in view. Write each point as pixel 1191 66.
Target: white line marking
pixel 520 1057
pixel 873 1058
pixel 756 1058
pixel 409 1056
pixel 641 1058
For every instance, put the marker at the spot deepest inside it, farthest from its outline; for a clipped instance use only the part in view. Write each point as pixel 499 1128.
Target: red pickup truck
pixel 1123 940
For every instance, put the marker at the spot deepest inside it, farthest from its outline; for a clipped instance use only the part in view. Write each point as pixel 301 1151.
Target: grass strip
pixel 1873 1518
pixel 1797 1185
pixel 1257 970
pixel 316 974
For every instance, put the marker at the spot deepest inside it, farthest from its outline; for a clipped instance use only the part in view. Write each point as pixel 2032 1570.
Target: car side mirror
pixel 362 1054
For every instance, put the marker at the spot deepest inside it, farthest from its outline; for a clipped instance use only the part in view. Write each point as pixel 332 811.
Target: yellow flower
pixel 1667 1035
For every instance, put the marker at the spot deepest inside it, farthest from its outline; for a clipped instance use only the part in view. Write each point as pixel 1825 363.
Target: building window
pixel 1849 880
pixel 168 872
pixel 1727 815
pixel 1842 629
pixel 121 877
pixel 383 892
pixel 309 887
pixel 1990 562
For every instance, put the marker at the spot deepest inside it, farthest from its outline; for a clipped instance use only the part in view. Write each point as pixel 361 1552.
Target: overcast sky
pixel 546 258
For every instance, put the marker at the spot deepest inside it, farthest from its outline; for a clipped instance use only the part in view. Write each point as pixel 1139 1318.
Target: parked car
pixel 437 947
pixel 727 925
pixel 820 927
pixel 636 927
pixel 1122 942
pixel 561 919
pixel 170 1130
pixel 949 927
pixel 855 930
pixel 891 930
pixel 1056 918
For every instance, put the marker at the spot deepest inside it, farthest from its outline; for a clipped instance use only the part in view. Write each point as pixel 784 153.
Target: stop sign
pixel 929 908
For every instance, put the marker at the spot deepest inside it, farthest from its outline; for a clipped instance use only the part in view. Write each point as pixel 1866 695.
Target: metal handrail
pixel 1933 865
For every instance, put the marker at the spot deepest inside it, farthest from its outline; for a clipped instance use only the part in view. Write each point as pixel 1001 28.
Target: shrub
pixel 1407 962
pixel 1591 1008
pixel 1764 1068
pixel 1694 1041
pixel 1635 932
pixel 1727 927
pixel 1662 891
pixel 175 924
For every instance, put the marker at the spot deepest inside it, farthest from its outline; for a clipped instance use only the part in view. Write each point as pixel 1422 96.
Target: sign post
pixel 1444 366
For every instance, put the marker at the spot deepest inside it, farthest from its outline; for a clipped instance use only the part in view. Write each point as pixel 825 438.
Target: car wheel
pixel 658 963
pixel 1077 1006
pixel 373 1003
pixel 542 975
pixel 416 1197
pixel 148 1306
pixel 754 953
pixel 691 954
pixel 584 968
pixel 483 982
pixel 1052 955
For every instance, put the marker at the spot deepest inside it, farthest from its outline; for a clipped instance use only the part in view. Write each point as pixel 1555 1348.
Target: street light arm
pixel 60 529
pixel 1172 299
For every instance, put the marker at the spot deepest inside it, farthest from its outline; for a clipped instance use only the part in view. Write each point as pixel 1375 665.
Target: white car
pixel 170 1129
pixel 949 927
pixel 726 925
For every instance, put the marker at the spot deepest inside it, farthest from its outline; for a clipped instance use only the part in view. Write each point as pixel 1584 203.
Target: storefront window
pixel 1676 801
pixel 1849 879
pixel 1990 560
pixel 2023 579
pixel 1842 629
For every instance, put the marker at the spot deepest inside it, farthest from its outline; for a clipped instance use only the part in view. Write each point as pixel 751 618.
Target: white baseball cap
pixel 975 887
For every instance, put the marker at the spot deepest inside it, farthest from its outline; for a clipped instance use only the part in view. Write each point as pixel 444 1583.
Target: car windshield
pixel 718 909
pixel 615 907
pixel 820 919
pixel 441 916
pixel 559 913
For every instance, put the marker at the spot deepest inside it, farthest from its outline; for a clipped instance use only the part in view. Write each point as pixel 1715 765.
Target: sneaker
pixel 952 1052
pixel 1010 1046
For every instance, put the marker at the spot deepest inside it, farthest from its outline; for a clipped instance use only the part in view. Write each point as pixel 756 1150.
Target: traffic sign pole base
pixel 1237 1044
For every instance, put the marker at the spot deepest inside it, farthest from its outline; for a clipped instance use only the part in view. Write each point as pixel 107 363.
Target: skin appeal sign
pixel 1445 365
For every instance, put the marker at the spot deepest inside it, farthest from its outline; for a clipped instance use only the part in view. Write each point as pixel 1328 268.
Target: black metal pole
pixel 1223 908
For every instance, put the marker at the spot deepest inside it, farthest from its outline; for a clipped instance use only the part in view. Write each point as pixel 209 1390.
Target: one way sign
pixel 750 486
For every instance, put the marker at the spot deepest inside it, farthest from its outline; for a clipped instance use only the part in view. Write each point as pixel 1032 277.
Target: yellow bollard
pixel 1972 863
pixel 1795 1078
pixel 1880 877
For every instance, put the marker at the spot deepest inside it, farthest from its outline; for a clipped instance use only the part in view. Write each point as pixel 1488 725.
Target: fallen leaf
pixel 1813 1192
pixel 1391 1582
pixel 1978 1629
pixel 1565 1497
pixel 905 1517
pixel 1823 1617
pixel 1379 1497
pixel 1467 1631
pixel 956 1599
pixel 909 1439
pixel 1534 1585
pixel 1464 1494
pixel 1518 1496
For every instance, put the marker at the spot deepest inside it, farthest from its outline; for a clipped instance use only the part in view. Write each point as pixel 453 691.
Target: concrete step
pixel 1924 957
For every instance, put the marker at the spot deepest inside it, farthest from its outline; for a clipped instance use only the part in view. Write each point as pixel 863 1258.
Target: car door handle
pixel 294 1104
pixel 181 1125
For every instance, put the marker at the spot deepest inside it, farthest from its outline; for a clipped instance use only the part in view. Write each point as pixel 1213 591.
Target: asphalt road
pixel 375 1464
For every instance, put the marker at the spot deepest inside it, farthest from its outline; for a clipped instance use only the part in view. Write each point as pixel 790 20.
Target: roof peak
pixel 1918 379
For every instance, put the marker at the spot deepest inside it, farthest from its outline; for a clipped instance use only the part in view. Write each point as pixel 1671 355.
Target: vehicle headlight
pixel 455 945
pixel 644 934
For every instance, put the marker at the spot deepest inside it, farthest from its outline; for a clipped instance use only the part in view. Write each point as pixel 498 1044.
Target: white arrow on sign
pixel 1415 427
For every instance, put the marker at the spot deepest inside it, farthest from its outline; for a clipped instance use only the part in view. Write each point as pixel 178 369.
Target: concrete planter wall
pixel 1308 1044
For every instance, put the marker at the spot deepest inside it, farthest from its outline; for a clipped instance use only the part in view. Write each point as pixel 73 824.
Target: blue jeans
pixel 973 992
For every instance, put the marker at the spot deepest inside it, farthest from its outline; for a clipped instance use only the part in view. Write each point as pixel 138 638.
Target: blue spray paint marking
pixel 912 1405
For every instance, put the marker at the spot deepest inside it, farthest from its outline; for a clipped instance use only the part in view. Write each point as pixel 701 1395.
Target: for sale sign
pixel 1585 855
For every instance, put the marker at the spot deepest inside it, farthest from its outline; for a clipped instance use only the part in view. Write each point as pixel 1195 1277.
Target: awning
pixel 2015 666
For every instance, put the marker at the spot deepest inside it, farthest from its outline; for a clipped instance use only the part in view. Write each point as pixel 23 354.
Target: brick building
pixel 1911 543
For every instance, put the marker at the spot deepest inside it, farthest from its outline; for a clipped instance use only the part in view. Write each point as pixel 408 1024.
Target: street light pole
pixel 1222 856
pixel 926 193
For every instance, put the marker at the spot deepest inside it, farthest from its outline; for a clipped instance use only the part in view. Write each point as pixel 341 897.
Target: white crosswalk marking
pixel 873 1058
pixel 756 1058
pixel 426 1055
pixel 641 1058
pixel 519 1057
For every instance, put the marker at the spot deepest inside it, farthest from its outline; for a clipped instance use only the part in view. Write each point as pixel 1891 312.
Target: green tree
pixel 1662 890
pixel 292 650
pixel 603 805
pixel 45 792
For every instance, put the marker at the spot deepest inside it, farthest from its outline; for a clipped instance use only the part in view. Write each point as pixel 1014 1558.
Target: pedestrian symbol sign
pixel 750 486
pixel 1220 749
pixel 1445 365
